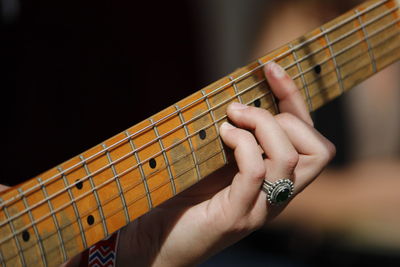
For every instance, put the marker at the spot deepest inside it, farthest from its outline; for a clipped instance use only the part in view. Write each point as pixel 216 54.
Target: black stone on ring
pixel 279 191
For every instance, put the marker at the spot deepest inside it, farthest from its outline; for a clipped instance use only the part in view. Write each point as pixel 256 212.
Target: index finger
pixel 289 96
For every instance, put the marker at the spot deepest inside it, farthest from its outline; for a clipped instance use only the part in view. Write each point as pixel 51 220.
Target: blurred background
pixel 75 73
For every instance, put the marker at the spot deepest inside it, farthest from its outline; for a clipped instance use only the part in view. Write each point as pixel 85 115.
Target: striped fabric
pixel 102 254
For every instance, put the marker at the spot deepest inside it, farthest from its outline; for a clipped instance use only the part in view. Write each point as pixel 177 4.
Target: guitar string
pixel 137 199
pixel 159 153
pixel 128 204
pixel 102 151
pixel 242 76
pixel 132 202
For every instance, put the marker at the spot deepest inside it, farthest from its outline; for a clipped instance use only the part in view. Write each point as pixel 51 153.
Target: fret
pixel 188 135
pixel 374 21
pixel 139 163
pixel 116 179
pixel 189 141
pixel 238 95
pixel 275 107
pixel 215 125
pixel 95 193
pixel 305 85
pixel 13 230
pixel 54 217
pixel 370 52
pixel 79 220
pixel 333 56
pixel 252 87
pixel 220 96
pixel 171 177
pixel 351 74
pixel 35 230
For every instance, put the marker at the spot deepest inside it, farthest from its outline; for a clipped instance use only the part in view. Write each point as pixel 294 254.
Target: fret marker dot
pixel 79 185
pixel 90 219
pixel 202 134
pixel 152 163
pixel 317 69
pixel 257 103
pixel 25 236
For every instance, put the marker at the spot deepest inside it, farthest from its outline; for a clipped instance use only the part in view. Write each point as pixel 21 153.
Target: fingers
pixel 282 157
pixel 316 151
pixel 289 96
pixel 246 184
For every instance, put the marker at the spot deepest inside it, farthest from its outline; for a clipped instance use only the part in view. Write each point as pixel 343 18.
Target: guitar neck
pixel 65 210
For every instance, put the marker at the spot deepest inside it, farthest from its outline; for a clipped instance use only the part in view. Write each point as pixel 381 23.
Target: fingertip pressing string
pixel 236 95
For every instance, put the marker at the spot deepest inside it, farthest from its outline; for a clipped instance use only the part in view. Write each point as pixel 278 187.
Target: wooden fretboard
pixel 52 217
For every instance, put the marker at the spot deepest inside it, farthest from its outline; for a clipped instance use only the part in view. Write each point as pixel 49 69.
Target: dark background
pixel 76 73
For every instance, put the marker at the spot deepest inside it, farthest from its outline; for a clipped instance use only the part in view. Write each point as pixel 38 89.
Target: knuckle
pixel 239 227
pixel 331 150
pixel 287 161
pixel 291 159
pixel 244 225
pixel 258 172
pixel 327 152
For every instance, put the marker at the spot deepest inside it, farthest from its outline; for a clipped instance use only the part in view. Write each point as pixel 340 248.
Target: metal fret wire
pixel 134 185
pixel 214 91
pixel 305 86
pixel 35 230
pixel 338 73
pixel 114 171
pixel 96 196
pixel 129 203
pixel 276 107
pixel 294 77
pixel 182 119
pixel 171 177
pixel 62 246
pixel 259 97
pixel 345 50
pixel 75 208
pixel 14 235
pixel 197 117
pixel 216 126
pixel 343 64
pixel 236 89
pixel 142 174
pixel 371 55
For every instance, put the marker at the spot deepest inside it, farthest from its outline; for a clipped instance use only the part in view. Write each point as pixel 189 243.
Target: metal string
pixel 204 96
pixel 129 188
pixel 159 153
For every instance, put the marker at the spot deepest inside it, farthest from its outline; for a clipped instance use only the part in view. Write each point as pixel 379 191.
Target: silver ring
pixel 279 191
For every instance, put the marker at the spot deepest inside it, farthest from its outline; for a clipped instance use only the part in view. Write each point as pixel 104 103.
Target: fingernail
pixel 276 70
pixel 238 106
pixel 227 126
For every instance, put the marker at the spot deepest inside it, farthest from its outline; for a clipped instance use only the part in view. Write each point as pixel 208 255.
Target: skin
pixel 228 205
pixel 221 210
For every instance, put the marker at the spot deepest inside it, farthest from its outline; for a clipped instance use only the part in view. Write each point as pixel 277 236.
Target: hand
pixel 220 210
